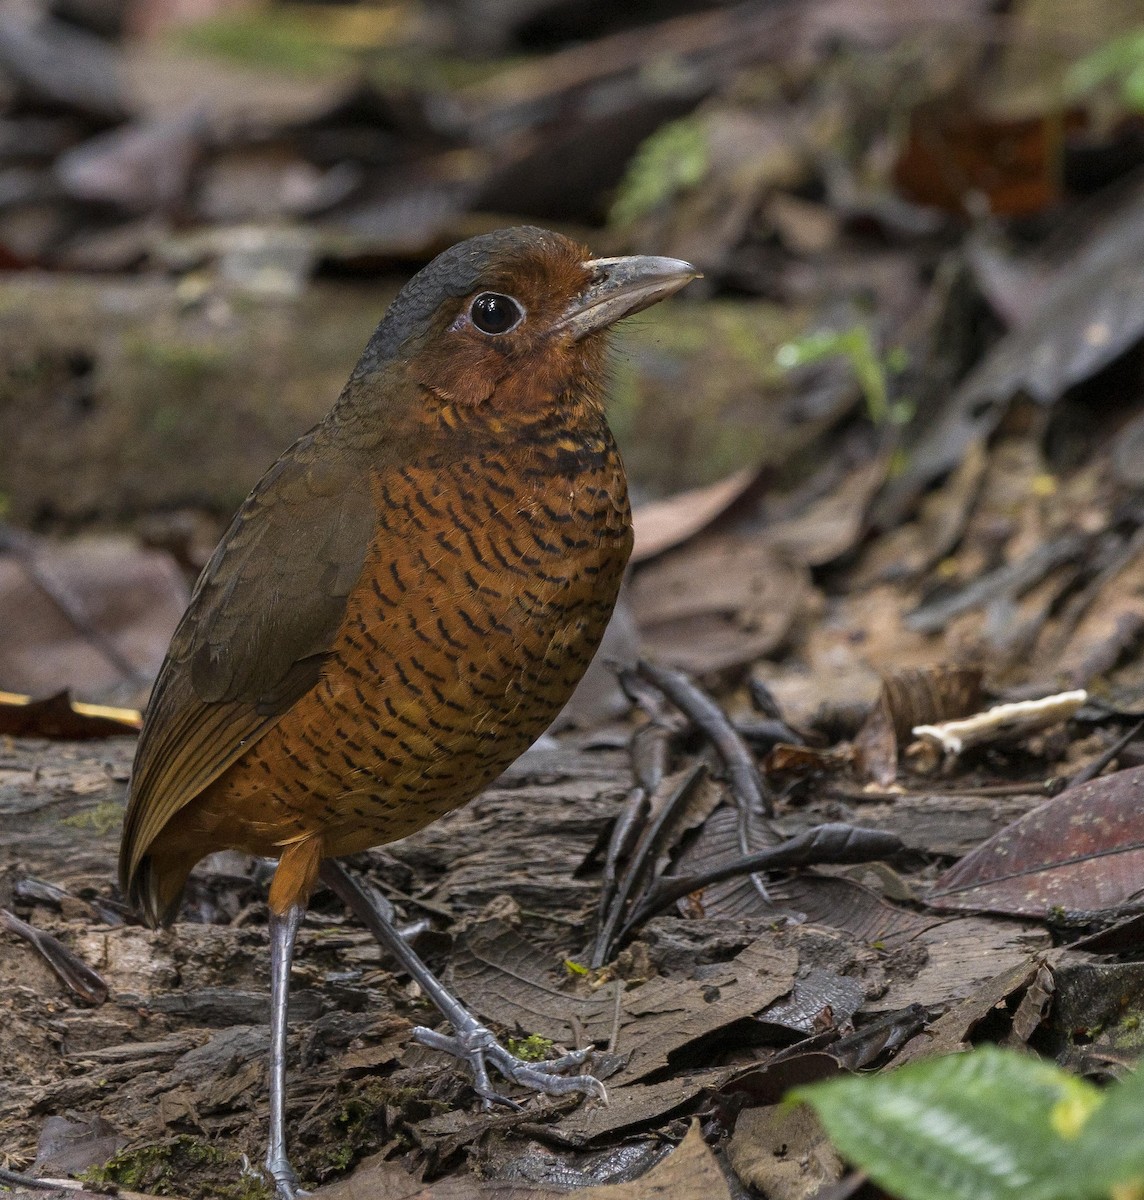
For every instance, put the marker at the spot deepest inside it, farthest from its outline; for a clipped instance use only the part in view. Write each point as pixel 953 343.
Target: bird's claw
pixel 285 1179
pixel 477 1046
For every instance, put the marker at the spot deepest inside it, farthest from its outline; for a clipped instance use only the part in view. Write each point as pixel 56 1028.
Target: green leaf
pixel 670 161
pixel 1110 1147
pixel 1119 61
pixel 977 1126
pixel 1132 87
pixel 856 345
pixel 282 41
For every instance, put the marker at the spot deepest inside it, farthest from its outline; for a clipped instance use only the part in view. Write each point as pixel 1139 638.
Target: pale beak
pixel 622 286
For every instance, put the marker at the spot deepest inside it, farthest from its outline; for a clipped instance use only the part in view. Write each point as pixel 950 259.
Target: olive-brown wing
pixel 262 618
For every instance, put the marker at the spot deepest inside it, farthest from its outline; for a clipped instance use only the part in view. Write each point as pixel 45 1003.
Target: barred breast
pixel 484 595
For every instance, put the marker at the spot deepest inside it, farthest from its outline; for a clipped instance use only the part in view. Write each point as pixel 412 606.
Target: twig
pixel 85 982
pixel 23 548
pixel 1094 768
pixel 768 706
pixel 15 1179
pixel 620 844
pixel 650 752
pixel 751 797
pixel 1011 579
pixel 710 718
pixel 830 843
pixel 642 861
pixel 614 1036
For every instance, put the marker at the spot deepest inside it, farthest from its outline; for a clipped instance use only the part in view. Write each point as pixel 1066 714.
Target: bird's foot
pixel 285 1179
pixel 477 1046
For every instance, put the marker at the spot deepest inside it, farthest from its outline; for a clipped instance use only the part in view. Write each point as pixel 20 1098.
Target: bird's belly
pixel 456 652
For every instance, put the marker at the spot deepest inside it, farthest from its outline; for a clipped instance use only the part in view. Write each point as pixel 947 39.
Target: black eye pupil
pixel 493 313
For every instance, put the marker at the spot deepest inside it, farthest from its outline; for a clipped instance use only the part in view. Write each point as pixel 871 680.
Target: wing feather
pixel 261 621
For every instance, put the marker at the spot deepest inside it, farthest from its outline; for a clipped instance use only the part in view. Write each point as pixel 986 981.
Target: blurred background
pixel 897 422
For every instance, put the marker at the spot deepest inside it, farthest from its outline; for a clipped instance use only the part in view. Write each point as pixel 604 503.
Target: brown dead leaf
pixel 823 899
pixel 94 615
pixel 952 959
pixel 69 1147
pixel 842 904
pixel 1107 621
pixel 831 526
pixel 929 961
pixel 955 151
pixel 1033 1008
pixel 1084 849
pixel 690 1172
pixel 1090 315
pixel 507 980
pixel 819 999
pixel 949 823
pixel 783 1152
pixel 877 1039
pixel 750 152
pixel 664 1016
pixel 952 1031
pixel 921 697
pixel 375 1177
pixel 502 976
pixel 797 762
pixel 725 600
pixel 141 165
pixel 661 525
pixel 905 551
pixel 638 1105
pixel 83 980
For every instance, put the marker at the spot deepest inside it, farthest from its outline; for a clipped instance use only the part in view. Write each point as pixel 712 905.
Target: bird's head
pixel 507 321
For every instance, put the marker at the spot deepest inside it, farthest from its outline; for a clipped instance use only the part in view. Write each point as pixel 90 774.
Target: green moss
pixel 189 360
pixel 310 44
pixel 403 67
pixel 275 40
pixel 249 1185
pixel 102 818
pixel 1119 63
pixel 533 1048
pixel 168 1168
pixel 360 1127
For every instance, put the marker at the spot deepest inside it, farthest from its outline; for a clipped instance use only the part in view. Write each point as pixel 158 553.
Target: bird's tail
pixel 155 890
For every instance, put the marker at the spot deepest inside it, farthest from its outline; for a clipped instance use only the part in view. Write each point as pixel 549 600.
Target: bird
pixel 400 607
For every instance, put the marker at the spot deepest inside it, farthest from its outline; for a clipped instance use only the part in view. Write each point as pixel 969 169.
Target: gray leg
pixel 473 1043
pixel 282 932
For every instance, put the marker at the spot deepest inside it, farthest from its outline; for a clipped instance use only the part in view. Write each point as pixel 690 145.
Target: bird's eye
pixel 493 313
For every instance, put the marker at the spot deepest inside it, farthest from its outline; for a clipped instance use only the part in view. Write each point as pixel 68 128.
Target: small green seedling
pixel 871 369
pixel 1119 62
pixel 672 160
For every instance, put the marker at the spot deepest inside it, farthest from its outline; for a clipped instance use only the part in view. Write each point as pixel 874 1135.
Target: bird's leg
pixel 473 1042
pixel 283 929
